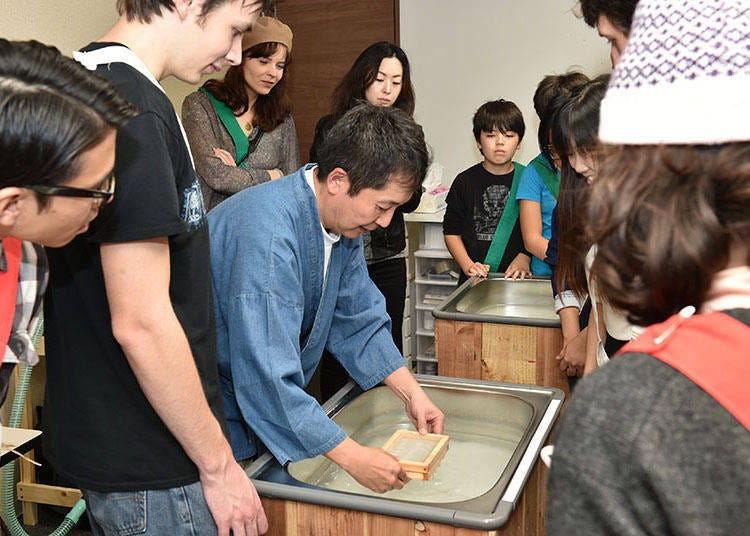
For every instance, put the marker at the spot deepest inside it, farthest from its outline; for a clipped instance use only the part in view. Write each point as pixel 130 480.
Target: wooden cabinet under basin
pixel 499 352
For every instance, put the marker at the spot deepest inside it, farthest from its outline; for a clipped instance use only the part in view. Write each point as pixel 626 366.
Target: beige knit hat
pixel 684 77
pixel 268 30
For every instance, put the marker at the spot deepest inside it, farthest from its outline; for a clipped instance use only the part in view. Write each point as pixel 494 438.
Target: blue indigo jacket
pixel 275 317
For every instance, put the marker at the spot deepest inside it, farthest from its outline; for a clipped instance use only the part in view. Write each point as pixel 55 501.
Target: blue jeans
pixel 180 511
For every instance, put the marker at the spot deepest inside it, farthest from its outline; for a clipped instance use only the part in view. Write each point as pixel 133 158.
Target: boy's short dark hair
pixel 143 10
pixel 619 12
pixel 499 114
pixel 372 143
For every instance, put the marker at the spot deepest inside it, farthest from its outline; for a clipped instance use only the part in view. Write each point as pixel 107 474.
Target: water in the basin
pixel 474 462
pixel 514 310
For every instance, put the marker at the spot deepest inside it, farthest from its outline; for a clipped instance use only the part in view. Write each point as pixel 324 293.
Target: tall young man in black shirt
pixel 134 414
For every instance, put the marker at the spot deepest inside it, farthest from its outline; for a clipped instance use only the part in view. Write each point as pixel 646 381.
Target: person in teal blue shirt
pixel 537 201
pixel 540 182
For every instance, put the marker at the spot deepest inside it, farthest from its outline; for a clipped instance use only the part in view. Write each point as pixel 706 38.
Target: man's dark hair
pixel 143 10
pixel 619 12
pixel 372 143
pixel 498 114
pixel 52 109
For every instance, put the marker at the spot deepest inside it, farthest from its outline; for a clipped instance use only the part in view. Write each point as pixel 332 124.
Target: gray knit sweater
pixel 277 149
pixel 643 450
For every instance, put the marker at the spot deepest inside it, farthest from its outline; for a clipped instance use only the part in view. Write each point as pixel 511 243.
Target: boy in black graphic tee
pixel 481 202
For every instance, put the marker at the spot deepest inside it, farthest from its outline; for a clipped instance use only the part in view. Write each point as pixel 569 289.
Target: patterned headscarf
pixel 684 77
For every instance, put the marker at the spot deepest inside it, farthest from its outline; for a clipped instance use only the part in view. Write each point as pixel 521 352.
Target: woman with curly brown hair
pixel 240 129
pixel 657 441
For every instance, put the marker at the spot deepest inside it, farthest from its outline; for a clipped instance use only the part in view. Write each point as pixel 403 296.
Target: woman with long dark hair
pixel 240 128
pixel 380 76
pixel 576 136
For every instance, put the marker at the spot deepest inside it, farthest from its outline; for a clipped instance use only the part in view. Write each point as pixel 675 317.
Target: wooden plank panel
pixel 541 496
pixel 380 525
pixel 436 529
pixel 394 526
pixel 328 37
pixel 27 470
pixel 509 353
pixel 324 520
pixel 281 515
pixel 549 343
pixel 46 494
pixel 458 347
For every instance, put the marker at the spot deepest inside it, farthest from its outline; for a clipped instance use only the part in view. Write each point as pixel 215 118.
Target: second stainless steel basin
pixel 497 300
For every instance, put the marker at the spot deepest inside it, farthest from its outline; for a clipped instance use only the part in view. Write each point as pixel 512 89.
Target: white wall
pixel 463 53
pixel 68 25
pixel 466 52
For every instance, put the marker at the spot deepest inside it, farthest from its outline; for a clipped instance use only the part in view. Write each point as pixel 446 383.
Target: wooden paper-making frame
pixel 420 469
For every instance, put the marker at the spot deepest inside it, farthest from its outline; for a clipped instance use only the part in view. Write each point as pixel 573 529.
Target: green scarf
pixel 507 221
pixel 229 120
pixel 549 176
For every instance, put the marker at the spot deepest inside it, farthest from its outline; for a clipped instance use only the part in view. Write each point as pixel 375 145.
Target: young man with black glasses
pixel 57 150
pixel 134 415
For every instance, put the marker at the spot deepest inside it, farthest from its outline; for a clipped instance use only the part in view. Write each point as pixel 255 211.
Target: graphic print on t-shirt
pixel 488 215
pixel 193 209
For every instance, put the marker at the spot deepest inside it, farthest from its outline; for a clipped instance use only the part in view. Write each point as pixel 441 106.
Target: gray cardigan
pixel 642 450
pixel 277 149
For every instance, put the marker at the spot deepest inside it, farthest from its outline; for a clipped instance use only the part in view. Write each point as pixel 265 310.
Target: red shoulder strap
pixel 9 290
pixel 712 349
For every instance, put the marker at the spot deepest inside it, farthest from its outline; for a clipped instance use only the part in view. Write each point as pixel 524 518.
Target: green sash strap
pixel 507 221
pixel 549 176
pixel 229 120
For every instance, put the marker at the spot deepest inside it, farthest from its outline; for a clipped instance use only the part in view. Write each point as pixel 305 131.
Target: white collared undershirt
pixel 329 239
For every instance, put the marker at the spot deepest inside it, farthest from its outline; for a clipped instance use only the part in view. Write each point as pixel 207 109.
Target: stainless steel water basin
pixel 497 300
pixel 496 433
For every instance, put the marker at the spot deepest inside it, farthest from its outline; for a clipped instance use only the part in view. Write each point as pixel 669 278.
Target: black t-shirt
pixel 101 433
pixel 475 202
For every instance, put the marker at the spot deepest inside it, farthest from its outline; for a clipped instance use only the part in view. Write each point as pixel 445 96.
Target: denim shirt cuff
pixel 381 374
pixel 318 450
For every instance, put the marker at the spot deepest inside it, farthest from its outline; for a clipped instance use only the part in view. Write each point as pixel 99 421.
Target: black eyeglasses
pixel 107 193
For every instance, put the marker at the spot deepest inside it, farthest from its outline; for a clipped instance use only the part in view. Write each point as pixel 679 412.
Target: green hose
pixel 9 508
